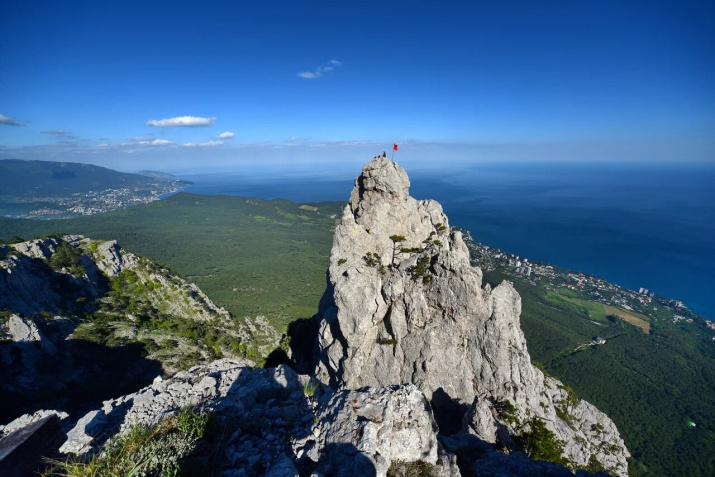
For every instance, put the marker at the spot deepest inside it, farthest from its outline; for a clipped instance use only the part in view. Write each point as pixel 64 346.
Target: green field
pixel 251 256
pixel 596 311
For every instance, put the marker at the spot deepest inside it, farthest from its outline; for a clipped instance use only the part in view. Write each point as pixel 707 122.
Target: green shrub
pixel 421 269
pixel 191 422
pixel 66 256
pixel 540 443
pixel 310 387
pixel 374 260
pixel 142 450
pixel 506 411
pixel 419 468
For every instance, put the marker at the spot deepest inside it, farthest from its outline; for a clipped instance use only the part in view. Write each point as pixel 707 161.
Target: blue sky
pixel 306 82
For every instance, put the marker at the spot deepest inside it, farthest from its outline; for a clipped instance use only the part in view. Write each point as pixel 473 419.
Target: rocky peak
pixel 405 306
pixel 381 179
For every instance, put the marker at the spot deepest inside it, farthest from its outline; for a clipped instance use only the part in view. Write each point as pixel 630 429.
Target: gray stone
pixel 372 427
pixel 21 330
pixel 283 467
pixel 435 326
pixel 27 419
pixel 21 451
pixel 112 260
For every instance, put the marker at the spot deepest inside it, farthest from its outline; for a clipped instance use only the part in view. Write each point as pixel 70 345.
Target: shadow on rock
pixel 76 378
pixel 448 412
pixel 344 460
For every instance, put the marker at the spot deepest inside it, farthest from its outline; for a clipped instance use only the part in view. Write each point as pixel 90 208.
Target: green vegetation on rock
pixel 539 443
pixel 165 449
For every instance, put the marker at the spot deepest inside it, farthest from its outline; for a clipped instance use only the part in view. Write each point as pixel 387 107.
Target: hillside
pixel 45 189
pixel 648 384
pixel 106 321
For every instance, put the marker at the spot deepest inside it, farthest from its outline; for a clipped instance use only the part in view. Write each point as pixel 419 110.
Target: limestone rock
pixel 21 330
pixel 271 423
pixel 112 260
pixel 202 386
pixel 414 311
pixel 369 428
pixel 27 419
pixel 38 248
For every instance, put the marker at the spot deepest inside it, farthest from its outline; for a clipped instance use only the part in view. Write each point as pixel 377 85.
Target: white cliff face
pixel 424 318
pixel 111 259
pixel 386 425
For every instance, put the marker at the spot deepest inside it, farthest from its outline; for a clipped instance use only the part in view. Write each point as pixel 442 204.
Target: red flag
pixel 394 146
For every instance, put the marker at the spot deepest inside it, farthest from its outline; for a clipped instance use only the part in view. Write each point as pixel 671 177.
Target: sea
pixel 648 225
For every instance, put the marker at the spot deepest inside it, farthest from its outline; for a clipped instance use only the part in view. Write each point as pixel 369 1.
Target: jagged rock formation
pixel 27 419
pixel 111 260
pixel 64 323
pixel 407 307
pixel 346 433
pixel 275 424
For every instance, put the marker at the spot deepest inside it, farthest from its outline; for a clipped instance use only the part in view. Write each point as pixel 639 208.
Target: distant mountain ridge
pixel 45 189
pixel 156 174
pixel 21 178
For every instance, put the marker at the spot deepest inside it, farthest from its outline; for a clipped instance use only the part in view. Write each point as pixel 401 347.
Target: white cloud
pixel 61 133
pixel 203 144
pixel 155 142
pixel 140 138
pixel 226 135
pixel 9 121
pixel 182 121
pixel 58 132
pixel 147 142
pixel 320 70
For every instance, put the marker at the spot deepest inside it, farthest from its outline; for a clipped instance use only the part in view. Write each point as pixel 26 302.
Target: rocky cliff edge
pixel 405 306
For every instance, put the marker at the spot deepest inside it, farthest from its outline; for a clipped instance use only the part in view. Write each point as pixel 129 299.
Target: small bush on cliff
pixel 506 410
pixel 421 269
pixel 374 260
pixel 66 256
pixel 396 241
pixel 540 443
pixel 310 387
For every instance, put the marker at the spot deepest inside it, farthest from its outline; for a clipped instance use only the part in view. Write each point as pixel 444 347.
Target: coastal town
pixel 642 302
pixel 96 202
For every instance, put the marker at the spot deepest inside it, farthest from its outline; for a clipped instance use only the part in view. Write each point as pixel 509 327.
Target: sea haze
pixel 638 225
